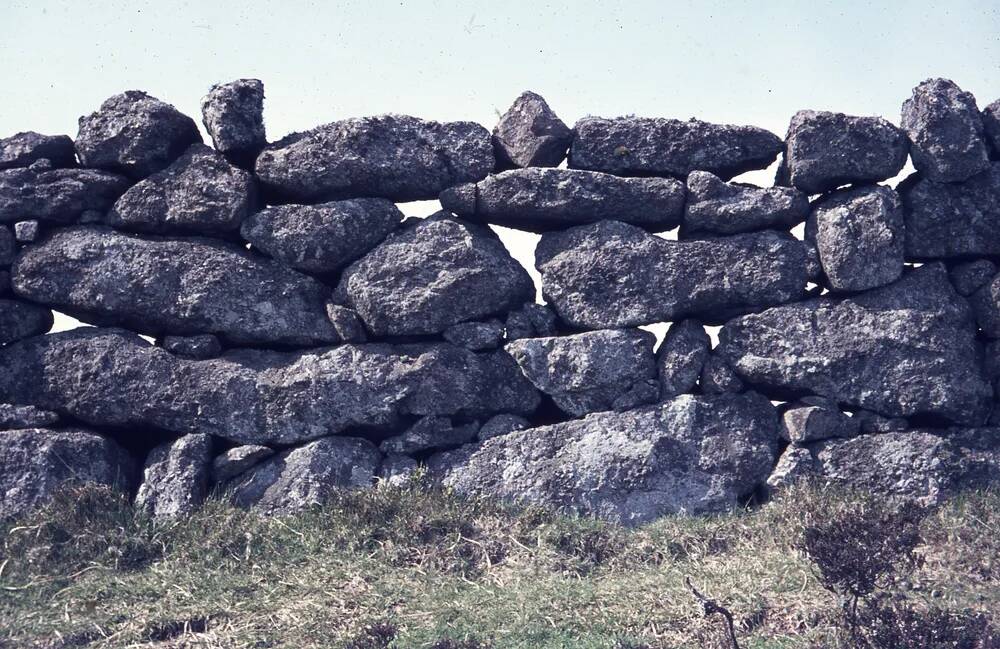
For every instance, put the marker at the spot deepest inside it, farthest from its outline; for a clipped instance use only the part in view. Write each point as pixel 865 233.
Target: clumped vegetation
pixel 412 567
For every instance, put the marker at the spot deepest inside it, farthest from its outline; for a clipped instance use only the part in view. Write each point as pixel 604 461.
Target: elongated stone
pixel 13 417
pixel 56 195
pixel 23 149
pixel 237 460
pixel 717 207
pixel 529 134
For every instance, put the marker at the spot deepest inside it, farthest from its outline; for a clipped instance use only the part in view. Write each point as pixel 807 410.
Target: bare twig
pixel 711 607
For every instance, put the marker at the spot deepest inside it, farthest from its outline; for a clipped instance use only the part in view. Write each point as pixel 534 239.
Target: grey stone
pixel 397 470
pixel 640 393
pixel 429 433
pixel 859 235
pixel 431 275
pixel 538 199
pixel 8 246
pixel 56 195
pixel 642 146
pixel 531 321
pixel 968 277
pixel 26 231
pixel 397 157
pixel 870 422
pixel 5 287
pixel 237 460
pixel 717 207
pixel 199 193
pixel 529 134
pixel 991 125
pixel 691 454
pixel 717 377
pixel 825 150
pixel 946 131
pixel 502 424
pixel 477 336
pixel 113 378
pixel 233 115
pixel 22 149
pixel 322 238
pixel 587 372
pixel 307 476
pixel 612 274
pixel 346 323
pixel 175 286
pixel 134 134
pixel 681 357
pixel 21 319
pixel 194 347
pixel 807 422
pixel 13 417
pixel 905 349
pixel 986 304
pixel 36 463
pixel 175 477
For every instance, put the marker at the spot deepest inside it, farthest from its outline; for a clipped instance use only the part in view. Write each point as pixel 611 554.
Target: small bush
pixel 376 636
pixel 898 625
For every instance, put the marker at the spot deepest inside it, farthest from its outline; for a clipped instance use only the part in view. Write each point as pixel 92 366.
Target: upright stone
pixel 56 195
pixel 175 477
pixel 529 134
pixel 8 246
pixel 21 319
pixel 717 207
pixel 681 357
pixel 986 303
pixel 991 125
pixel 23 149
pixel 233 115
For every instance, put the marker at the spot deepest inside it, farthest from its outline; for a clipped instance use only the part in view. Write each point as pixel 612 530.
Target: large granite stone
pixel 134 134
pixel 322 238
pixel 174 286
pixel 538 199
pixel 691 454
pixel 901 350
pixel 233 115
pixel 21 319
pixel 681 357
pixel 433 274
pixel 23 149
pixel 113 378
pixel 397 157
pixel 529 134
pixel 717 207
pixel 175 477
pixel 643 146
pixel 56 195
pixel 612 274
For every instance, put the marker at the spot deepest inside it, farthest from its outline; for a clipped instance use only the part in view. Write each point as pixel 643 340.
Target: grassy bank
pixel 88 572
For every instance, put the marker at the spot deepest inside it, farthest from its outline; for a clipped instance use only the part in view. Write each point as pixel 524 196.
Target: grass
pixel 88 571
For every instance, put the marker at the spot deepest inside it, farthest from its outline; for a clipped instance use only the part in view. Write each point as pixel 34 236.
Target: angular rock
pixel 691 454
pixel 233 115
pixel 612 274
pixel 5 288
pixel 56 195
pixel 8 246
pixel 20 320
pixel 193 347
pixel 870 422
pixel 681 357
pixel 968 277
pixel 397 157
pixel 199 193
pixel 825 150
pixel 346 323
pixel 502 424
pixel 986 304
pixel 477 336
pixel 433 274
pixel 322 238
pixel 529 134
pixel 718 378
pixel 23 149
pixel 901 350
pixel 113 378
pixel 641 393
pixel 134 134
pixel 397 470
pixel 946 131
pixel 13 417
pixel 991 125
pixel 642 146
pixel 859 235
pixel 717 207
pixel 430 433
pixel 307 476
pixel 35 463
pixel 945 220
pixel 531 321
pixel 175 477
pixel 587 372
pixel 237 460
pixel 813 421
pixel 27 231
pixel 538 199
pixel 174 286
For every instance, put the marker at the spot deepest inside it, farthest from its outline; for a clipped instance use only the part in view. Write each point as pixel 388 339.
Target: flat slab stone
pixel 397 157
pixel 233 115
pixel 645 146
pixel 195 347
pixel 22 319
pixel 175 477
pixel 612 274
pixel 22 149
pixel 56 195
pixel 717 207
pixel 530 134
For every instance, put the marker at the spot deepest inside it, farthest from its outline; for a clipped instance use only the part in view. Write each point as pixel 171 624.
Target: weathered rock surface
pixel 859 234
pixel 433 274
pixel 717 207
pixel 134 134
pixel 194 347
pixel 816 419
pixel 397 157
pixel 538 199
pixel 174 286
pixel 308 475
pixel 642 146
pixel 199 193
pixel 113 378
pixel 23 149
pixel 986 303
pixel 56 195
pixel 397 470
pixel 20 320
pixel 477 336
pixel 27 231
pixel 946 131
pixel 175 477
pixel 237 460
pixel 968 277
pixel 825 150
pixel 13 417
pixel 35 463
pixel 531 321
pixel 322 238
pixel 428 433
pixel 233 115
pixel 691 454
pixel 946 220
pixel 905 349
pixel 587 372
pixel 8 246
pixel 717 377
pixel 870 422
pixel 502 424
pixel 529 134
pixel 991 125
pixel 612 274
pixel 681 357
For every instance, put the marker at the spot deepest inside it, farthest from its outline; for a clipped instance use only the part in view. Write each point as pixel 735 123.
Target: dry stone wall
pixel 307 336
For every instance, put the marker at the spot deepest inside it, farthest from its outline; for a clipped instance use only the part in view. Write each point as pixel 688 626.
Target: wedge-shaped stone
pixel 681 357
pixel 718 207
pixel 56 195
pixel 23 149
pixel 175 477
